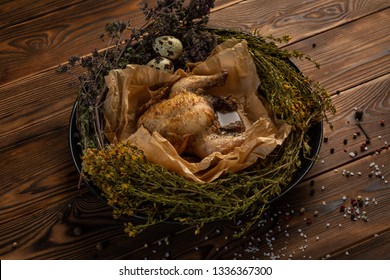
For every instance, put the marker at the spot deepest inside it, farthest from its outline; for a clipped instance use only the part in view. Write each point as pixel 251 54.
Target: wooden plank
pixel 370 249
pixel 346 57
pixel 49 40
pixel 299 19
pixel 373 98
pixel 77 228
pixel 28 111
pixel 16 12
pixel 341 230
pixel 31 44
pixel 37 173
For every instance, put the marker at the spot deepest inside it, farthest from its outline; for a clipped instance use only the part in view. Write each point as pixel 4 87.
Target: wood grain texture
pixel 33 46
pixel 346 57
pixel 47 38
pixel 373 98
pixel 35 174
pixel 15 12
pixel 44 215
pixel 299 19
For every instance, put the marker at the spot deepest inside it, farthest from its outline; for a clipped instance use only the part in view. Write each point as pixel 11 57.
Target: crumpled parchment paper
pixel 132 87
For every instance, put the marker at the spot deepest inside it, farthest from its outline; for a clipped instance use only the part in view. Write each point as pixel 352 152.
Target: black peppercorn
pixel 359 114
pixel 345 141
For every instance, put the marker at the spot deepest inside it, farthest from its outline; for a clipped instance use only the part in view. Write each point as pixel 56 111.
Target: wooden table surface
pixel 43 213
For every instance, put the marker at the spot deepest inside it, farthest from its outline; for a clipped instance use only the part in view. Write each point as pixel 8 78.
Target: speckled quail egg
pixel 168 46
pixel 161 63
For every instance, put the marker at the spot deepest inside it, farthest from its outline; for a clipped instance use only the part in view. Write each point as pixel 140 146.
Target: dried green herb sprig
pixel 134 186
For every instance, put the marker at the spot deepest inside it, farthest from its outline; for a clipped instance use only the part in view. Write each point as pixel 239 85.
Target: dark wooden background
pixel 44 215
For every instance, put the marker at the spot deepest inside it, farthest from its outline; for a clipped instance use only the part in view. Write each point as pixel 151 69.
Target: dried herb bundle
pixel 131 184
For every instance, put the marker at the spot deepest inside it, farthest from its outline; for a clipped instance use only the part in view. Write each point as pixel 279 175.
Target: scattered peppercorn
pixel 326 139
pixel 382 122
pixel 314 45
pixel 345 141
pixel 332 150
pixel 308 221
pixel 342 208
pixel 77 231
pixel 359 114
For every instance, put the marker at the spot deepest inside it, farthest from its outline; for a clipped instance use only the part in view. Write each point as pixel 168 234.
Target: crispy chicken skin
pixel 187 118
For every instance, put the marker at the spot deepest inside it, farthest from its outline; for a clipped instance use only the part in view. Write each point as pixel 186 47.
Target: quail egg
pixel 161 63
pixel 168 46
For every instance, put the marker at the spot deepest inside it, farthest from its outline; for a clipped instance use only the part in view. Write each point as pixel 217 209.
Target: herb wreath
pixel 134 186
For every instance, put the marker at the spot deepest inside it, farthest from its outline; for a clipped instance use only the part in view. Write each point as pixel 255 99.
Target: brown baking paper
pixel 132 87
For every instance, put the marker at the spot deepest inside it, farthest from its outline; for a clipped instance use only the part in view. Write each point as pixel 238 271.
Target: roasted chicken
pixel 187 119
